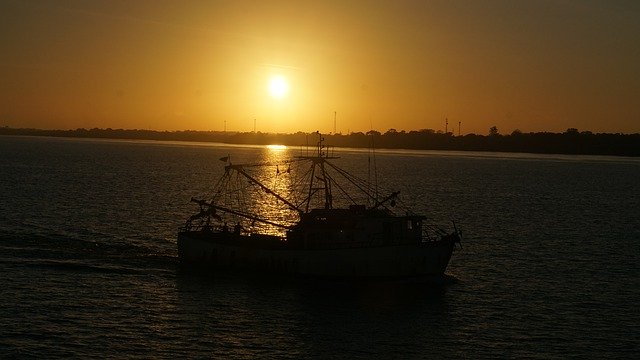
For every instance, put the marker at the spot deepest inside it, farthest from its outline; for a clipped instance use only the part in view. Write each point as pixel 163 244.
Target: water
pixel 88 263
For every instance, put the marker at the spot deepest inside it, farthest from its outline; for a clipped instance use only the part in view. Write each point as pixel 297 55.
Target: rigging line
pixel 303 177
pixel 355 180
pixel 221 179
pixel 347 176
pixel 291 191
pixel 245 174
pixel 340 188
pixel 292 187
pixel 300 189
pixel 241 194
pixel 313 172
pixel 249 216
pixel 217 189
pixel 363 184
pixel 352 178
pixel 308 199
pixel 344 174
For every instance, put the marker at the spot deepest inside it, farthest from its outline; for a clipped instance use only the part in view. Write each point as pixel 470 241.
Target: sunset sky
pixel 544 65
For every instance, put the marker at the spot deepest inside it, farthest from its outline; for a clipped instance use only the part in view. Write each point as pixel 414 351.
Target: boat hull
pixel 199 249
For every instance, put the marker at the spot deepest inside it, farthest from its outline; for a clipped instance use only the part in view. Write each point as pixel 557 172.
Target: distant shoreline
pixel 570 142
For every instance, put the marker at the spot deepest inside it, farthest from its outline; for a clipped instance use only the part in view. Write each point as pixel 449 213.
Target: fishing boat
pixel 301 216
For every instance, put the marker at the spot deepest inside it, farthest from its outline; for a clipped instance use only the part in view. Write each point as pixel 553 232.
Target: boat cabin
pixel 355 227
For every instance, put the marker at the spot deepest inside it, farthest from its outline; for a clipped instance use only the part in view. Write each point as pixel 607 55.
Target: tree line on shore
pixel 571 141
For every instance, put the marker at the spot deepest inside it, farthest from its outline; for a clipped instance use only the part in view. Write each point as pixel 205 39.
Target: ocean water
pixel 550 266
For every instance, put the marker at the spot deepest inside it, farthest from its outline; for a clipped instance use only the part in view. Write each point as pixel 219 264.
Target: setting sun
pixel 278 87
pixel 431 65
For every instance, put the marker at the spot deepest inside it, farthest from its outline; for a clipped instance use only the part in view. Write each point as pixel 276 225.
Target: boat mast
pixel 318 161
pixel 328 200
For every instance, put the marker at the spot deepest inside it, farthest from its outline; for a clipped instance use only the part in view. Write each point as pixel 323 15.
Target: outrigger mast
pixel 324 183
pixel 241 171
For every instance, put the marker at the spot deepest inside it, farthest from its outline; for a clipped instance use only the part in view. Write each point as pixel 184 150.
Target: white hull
pixel 392 261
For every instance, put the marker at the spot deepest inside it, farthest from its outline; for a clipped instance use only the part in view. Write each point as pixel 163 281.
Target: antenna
pixel 369 169
pixel 374 185
pixel 375 167
pixel 446 126
pixel 334 122
pixel 459 122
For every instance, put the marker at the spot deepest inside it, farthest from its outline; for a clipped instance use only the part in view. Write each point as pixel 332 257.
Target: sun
pixel 278 87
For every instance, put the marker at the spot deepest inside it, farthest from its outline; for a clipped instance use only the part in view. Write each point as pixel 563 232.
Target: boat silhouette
pixel 298 224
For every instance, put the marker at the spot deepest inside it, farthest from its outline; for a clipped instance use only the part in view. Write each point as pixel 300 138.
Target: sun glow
pixel 278 87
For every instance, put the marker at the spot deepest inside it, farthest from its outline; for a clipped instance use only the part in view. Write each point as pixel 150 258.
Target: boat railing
pixel 205 228
pixel 327 151
pixel 191 227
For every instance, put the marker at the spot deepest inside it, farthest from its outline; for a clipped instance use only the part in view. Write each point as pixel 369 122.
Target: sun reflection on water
pixel 276 147
pixel 275 174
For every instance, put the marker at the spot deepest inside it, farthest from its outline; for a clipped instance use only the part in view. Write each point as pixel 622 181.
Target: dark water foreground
pixel 88 267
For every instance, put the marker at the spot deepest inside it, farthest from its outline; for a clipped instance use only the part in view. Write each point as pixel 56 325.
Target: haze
pixel 210 65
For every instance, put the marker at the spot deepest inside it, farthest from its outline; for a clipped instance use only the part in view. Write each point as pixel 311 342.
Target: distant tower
pixel 225 126
pixel 459 122
pixel 446 126
pixel 334 122
pixel 254 125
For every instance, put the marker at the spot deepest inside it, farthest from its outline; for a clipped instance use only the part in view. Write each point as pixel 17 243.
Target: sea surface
pixel 550 265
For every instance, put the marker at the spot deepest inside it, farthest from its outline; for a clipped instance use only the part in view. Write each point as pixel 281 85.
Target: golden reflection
pixel 275 147
pixel 276 175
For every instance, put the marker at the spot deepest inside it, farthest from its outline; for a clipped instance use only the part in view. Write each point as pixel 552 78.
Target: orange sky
pixel 170 65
